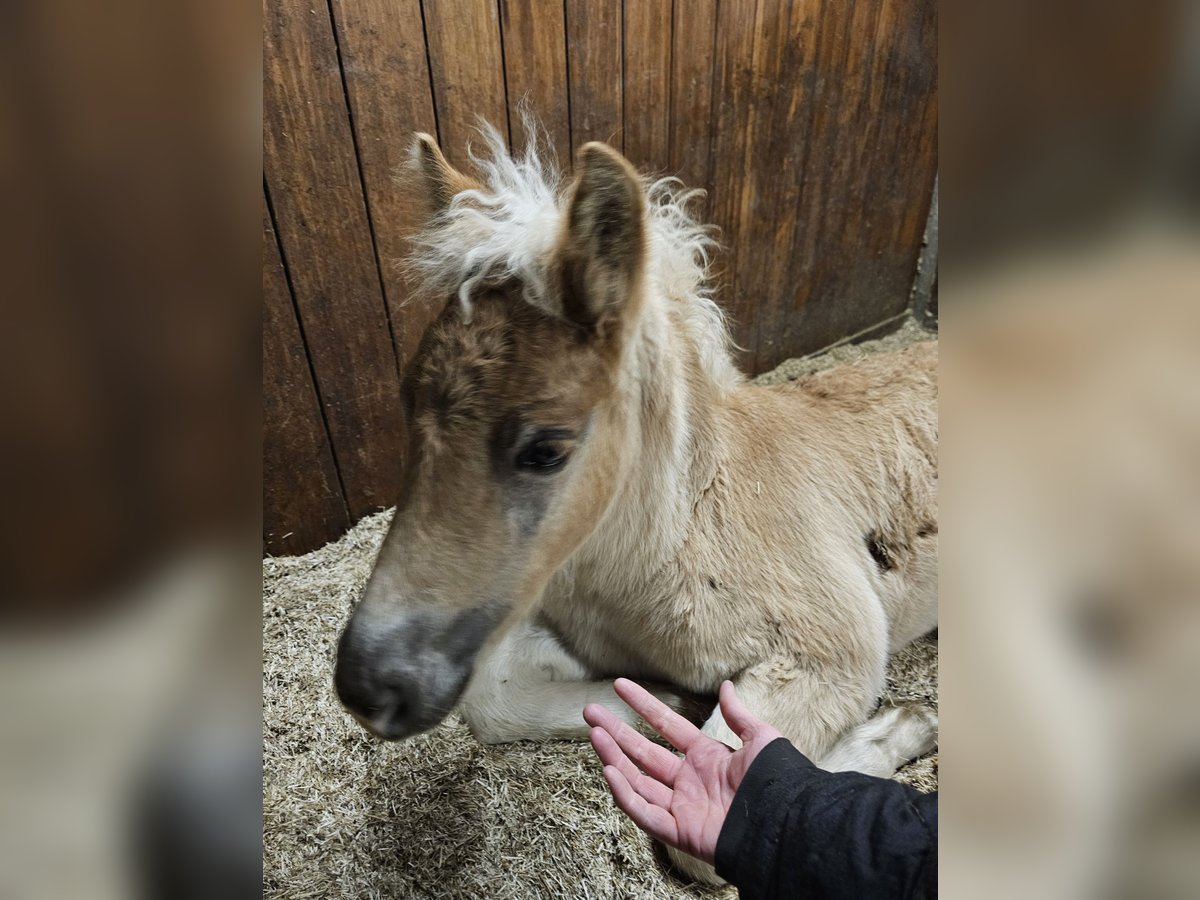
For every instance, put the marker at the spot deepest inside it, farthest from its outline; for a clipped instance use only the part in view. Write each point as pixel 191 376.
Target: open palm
pixel 680 801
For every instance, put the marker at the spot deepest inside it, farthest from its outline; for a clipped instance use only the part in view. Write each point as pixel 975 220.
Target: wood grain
pixel 733 87
pixel 386 73
pixel 693 48
pixel 302 496
pixel 779 108
pixel 468 71
pixel 535 61
pixel 647 83
pixel 320 213
pixel 867 178
pixel 595 70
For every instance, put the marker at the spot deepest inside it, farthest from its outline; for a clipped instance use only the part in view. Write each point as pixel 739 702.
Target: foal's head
pixel 513 425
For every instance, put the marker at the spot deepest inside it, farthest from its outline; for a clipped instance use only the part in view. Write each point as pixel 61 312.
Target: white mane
pixel 508 228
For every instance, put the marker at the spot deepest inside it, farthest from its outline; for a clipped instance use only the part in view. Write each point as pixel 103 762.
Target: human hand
pixel 681 802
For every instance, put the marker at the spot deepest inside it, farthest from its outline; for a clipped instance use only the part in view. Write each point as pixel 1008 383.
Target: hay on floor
pixel 440 815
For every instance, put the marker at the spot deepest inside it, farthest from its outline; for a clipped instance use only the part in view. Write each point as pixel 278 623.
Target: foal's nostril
pixel 382 701
pixel 396 709
pixel 392 718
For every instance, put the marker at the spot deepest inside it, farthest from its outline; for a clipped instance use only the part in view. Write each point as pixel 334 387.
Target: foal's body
pixel 785 538
pixel 592 490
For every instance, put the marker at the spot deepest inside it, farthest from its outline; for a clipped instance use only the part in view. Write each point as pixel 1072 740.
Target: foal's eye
pixel 542 455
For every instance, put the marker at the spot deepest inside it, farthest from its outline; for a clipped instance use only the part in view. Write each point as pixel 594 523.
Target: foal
pixel 590 488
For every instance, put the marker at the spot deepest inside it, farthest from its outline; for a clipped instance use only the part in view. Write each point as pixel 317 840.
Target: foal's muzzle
pixel 404 677
pixel 389 703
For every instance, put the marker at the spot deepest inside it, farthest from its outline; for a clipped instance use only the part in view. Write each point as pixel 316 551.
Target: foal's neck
pixel 671 450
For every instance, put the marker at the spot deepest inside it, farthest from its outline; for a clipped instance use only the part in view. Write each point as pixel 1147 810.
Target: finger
pixel 599 716
pixel 592 714
pixel 658 762
pixel 737 717
pixel 654 820
pixel 610 754
pixel 674 727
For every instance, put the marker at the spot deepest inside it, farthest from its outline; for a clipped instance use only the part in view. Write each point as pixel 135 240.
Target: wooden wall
pixel 812 125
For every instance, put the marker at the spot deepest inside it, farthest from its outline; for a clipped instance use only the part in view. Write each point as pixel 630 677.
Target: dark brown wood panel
pixel 812 126
pixel 776 129
pixel 386 72
pixel 595 71
pixel 647 73
pixel 693 39
pixel 302 497
pixel 468 71
pixel 312 174
pixel 866 180
pixel 535 61
pixel 733 88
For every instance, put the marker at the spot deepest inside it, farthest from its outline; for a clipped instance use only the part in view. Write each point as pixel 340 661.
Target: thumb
pixel 737 717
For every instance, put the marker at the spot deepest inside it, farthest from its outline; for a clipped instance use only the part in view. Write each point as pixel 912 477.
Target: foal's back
pixel 856 447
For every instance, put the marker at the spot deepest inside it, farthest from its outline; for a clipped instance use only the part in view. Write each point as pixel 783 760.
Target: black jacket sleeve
pixel 798 831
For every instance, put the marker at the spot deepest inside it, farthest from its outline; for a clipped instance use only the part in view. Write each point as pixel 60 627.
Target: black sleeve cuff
pixel 794 830
pixel 778 759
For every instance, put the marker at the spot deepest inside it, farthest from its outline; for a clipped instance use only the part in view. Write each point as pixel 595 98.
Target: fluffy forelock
pixel 506 230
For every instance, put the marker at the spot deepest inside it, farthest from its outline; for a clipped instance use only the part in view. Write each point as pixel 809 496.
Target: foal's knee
pixel 488 730
pixel 486 713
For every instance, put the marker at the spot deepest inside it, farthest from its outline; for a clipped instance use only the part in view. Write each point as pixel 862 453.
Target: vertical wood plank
pixel 467 69
pixel 303 506
pixel 535 60
pixel 868 175
pixel 779 110
pixel 320 214
pixel 828 106
pixel 900 72
pixel 647 74
pixel 595 71
pixel 386 74
pixel 694 34
pixel 733 87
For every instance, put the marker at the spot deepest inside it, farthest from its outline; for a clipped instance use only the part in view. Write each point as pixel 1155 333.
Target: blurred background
pixel 130 660
pixel 132 326
pixel 1070 411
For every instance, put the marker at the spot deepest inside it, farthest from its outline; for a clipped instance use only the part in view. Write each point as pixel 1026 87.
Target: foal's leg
pixel 885 742
pixel 530 688
pixel 879 746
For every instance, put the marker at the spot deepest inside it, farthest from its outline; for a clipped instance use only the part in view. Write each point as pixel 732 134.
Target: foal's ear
pixel 438 181
pixel 603 245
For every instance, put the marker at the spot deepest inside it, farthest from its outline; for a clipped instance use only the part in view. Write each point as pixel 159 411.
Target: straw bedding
pixel 345 815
